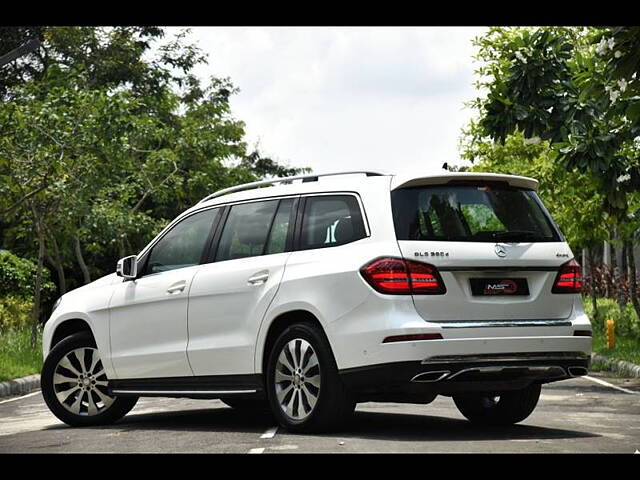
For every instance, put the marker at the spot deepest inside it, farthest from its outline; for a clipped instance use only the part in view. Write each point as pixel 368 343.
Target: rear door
pixel 230 295
pixel 496 248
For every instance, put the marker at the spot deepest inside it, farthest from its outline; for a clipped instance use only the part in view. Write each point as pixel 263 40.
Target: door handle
pixel 177 287
pixel 258 278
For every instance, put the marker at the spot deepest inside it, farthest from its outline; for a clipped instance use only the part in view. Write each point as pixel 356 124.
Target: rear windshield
pixel 471 213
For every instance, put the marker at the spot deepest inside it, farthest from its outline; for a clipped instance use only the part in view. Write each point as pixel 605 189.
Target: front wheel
pixel 505 408
pixel 74 384
pixel 304 388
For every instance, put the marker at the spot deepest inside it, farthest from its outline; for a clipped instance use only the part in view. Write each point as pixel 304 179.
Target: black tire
pixel 511 407
pixel 118 409
pixel 247 404
pixel 334 403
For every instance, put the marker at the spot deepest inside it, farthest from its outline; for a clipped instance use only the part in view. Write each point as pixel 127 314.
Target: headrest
pixel 344 230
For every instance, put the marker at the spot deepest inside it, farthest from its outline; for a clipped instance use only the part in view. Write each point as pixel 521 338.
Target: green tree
pixel 105 135
pixel 575 88
pixel 572 198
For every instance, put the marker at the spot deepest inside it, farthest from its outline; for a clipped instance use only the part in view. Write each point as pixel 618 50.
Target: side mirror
pixel 127 267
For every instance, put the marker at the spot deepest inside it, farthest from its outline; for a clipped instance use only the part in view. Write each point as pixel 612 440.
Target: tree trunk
pixel 592 273
pixel 56 263
pixel 633 285
pixel 614 272
pixel 83 266
pixel 35 314
pixel 606 265
pixel 57 266
pixel 624 272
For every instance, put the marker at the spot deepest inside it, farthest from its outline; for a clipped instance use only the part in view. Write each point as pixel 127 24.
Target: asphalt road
pixel 573 416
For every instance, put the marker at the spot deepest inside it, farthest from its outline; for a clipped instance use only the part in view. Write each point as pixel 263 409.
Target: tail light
pixel 403 277
pixel 569 278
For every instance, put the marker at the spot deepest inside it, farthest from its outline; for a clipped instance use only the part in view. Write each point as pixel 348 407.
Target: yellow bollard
pixel 611 333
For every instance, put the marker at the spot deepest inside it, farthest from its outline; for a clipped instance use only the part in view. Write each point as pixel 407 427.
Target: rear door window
pixel 280 227
pixel 471 213
pixel 246 230
pixel 331 220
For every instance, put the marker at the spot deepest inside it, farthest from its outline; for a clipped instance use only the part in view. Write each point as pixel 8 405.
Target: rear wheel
pixel 304 388
pixel 75 385
pixel 505 408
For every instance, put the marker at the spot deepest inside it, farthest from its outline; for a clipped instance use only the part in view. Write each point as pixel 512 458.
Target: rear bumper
pixel 452 374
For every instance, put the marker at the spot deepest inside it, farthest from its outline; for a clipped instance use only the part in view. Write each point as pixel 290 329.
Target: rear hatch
pixel 494 244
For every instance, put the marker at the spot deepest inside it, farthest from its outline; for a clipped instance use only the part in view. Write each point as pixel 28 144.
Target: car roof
pixel 351 181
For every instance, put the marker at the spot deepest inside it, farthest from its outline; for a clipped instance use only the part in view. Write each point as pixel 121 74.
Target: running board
pixel 195 386
pixel 180 393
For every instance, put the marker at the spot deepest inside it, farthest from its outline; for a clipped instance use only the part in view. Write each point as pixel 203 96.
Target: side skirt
pixel 215 386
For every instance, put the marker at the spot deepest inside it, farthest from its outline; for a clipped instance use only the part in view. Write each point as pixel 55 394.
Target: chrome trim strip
pixel 186 392
pixel 443 373
pixel 504 358
pixel 494 369
pixel 504 323
pixel 511 268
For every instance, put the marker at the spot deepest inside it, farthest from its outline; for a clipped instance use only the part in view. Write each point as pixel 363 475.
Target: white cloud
pixel 348 98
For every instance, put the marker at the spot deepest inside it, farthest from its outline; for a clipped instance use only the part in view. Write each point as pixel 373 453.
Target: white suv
pixel 313 293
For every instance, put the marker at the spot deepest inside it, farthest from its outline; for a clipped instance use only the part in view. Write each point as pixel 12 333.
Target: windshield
pixel 471 213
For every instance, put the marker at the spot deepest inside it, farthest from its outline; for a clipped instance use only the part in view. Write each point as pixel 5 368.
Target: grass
pixel 627 347
pixel 17 357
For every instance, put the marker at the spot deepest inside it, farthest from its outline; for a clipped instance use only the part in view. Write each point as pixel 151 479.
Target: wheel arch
pixel 69 327
pixel 279 324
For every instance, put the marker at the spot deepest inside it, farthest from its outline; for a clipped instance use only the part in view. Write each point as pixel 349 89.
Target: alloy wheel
pixel 80 383
pixel 297 379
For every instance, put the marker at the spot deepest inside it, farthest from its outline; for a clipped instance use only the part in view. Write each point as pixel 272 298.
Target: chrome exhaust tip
pixel 428 377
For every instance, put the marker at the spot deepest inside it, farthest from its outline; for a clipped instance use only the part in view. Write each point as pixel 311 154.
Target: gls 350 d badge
pixel 431 254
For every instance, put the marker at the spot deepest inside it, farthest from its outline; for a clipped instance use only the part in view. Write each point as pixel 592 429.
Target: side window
pixel 279 229
pixel 246 229
pixel 183 245
pixel 331 220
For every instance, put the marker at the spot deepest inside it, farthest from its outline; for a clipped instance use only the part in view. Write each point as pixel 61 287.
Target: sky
pixel 357 98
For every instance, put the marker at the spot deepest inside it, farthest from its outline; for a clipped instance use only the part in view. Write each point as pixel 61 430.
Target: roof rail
pixel 263 183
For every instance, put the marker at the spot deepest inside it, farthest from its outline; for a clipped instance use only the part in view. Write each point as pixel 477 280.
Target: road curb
pixel 19 386
pixel 619 366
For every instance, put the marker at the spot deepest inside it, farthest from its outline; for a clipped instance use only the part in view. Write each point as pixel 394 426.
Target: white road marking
pixel 607 384
pixel 269 433
pixel 18 398
pixel 285 447
pixel 256 450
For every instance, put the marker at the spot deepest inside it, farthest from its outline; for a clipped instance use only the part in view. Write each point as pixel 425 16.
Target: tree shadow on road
pixel 382 426
pixel 409 427
pixel 221 419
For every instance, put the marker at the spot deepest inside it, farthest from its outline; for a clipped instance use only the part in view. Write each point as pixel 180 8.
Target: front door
pixel 148 315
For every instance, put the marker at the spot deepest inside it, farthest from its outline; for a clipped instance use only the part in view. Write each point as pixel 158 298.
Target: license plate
pixel 499 286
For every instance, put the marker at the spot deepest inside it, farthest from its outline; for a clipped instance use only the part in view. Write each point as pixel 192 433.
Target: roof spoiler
pixel 403 181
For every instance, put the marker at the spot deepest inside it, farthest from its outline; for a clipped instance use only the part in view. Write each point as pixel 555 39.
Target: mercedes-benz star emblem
pixel 500 251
